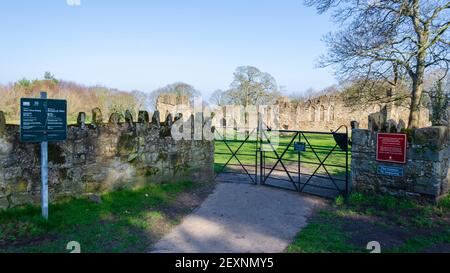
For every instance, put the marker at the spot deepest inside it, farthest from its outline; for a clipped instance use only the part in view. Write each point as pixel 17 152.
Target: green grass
pixel 415 225
pixel 125 221
pixel 418 243
pixel 322 235
pixel 320 143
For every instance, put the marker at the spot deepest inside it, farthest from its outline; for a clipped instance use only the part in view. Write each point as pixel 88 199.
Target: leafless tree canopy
pixel 396 41
pixel 249 87
pixel 218 98
pixel 178 88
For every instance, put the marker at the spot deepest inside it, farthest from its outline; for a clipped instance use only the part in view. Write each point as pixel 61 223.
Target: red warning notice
pixel 391 148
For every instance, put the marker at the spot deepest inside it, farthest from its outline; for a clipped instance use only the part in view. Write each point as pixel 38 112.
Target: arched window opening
pixel 322 113
pixel 312 112
pixel 331 113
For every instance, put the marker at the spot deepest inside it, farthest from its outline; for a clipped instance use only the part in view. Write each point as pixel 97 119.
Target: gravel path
pixel 240 218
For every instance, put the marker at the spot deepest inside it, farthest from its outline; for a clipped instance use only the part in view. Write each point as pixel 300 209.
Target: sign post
pixel 43 120
pixel 44 168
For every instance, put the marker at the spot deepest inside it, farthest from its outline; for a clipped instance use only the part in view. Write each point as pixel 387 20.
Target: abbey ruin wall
pixel 324 113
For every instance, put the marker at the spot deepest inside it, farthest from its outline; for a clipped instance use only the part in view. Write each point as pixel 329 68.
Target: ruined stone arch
pixel 331 113
pixel 312 113
pixel 322 113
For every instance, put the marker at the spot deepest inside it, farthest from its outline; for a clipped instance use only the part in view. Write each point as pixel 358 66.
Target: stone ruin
pixel 101 157
pixel 323 113
pixel 172 104
pixel 393 119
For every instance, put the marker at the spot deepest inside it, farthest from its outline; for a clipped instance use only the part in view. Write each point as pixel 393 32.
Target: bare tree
pixel 389 40
pixel 178 88
pixel 310 93
pixel 219 97
pixel 362 92
pixel 252 87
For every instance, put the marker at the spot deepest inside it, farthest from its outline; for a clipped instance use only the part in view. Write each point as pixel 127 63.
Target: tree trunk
pixel 416 98
pixel 419 73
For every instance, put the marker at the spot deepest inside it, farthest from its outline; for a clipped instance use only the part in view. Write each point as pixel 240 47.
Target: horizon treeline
pixel 79 98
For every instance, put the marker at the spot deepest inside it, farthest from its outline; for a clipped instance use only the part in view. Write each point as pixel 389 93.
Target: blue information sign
pixel 299 146
pixel 390 171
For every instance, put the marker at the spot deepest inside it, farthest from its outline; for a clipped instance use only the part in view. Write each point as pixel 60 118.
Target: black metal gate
pixel 304 161
pixel 309 162
pixel 236 159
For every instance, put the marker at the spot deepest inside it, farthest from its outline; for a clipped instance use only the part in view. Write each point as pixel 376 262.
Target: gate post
pixel 346 164
pixel 258 140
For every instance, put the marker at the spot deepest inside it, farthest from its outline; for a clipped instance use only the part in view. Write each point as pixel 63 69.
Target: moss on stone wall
pixel 98 159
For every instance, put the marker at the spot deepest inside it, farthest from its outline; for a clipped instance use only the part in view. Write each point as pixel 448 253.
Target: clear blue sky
pixel 146 44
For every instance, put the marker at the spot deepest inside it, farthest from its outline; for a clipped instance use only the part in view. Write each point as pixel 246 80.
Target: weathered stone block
pixel 114 119
pixel 2 123
pixel 4 203
pixel 431 190
pixel 435 138
pixel 81 120
pixel 97 117
pixel 143 117
pixel 21 186
pixel 128 118
pixel 156 120
pixel 425 174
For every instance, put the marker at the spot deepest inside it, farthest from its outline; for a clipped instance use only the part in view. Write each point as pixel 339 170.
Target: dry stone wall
pixel 100 157
pixel 426 174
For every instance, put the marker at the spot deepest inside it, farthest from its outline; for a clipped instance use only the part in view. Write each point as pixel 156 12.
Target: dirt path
pixel 239 218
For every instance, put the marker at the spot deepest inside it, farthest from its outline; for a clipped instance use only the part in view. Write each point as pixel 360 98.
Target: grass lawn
pixel 399 225
pixel 322 144
pixel 124 221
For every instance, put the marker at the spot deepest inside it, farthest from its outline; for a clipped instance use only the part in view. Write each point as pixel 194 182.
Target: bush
pixel 356 199
pixel 340 201
pixel 445 203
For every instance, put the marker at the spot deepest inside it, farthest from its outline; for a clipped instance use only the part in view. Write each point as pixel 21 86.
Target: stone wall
pixel 426 173
pixel 173 104
pixel 324 113
pixel 100 157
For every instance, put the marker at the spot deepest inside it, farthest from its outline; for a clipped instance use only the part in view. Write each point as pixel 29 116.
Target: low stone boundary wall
pixel 100 157
pixel 426 174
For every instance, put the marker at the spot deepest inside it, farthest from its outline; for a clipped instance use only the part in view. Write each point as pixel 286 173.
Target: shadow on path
pixel 240 218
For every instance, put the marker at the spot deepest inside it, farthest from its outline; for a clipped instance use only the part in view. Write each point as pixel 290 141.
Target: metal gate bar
pixel 279 160
pixel 264 173
pixel 234 154
pixel 322 162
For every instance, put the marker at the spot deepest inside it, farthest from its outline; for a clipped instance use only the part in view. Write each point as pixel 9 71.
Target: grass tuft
pixel 399 224
pixel 126 220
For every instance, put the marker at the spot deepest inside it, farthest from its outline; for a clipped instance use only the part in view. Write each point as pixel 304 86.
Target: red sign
pixel 391 148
